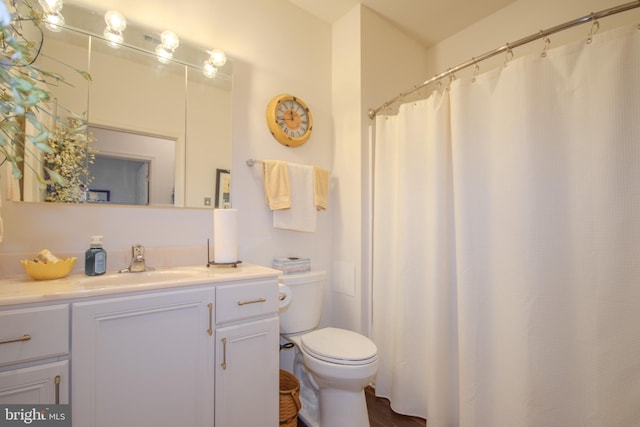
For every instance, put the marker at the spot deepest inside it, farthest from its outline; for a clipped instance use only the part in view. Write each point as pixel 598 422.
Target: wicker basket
pixel 289 399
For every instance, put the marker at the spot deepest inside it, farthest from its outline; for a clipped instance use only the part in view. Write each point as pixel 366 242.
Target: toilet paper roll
pixel 225 235
pixel 284 294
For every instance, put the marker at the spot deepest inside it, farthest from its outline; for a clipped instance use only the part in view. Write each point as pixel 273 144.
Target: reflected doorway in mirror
pixel 137 168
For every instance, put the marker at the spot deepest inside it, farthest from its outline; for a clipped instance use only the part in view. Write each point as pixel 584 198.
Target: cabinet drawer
pixel 243 301
pixel 36 385
pixel 33 333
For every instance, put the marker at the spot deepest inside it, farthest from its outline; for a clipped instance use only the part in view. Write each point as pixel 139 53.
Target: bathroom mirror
pixel 166 121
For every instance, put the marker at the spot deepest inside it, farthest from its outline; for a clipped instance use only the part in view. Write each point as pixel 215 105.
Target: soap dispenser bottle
pixel 95 258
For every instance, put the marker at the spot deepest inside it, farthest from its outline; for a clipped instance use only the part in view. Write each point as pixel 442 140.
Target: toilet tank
pixel 307 294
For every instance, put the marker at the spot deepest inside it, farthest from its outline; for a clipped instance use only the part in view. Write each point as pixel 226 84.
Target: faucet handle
pixel 137 251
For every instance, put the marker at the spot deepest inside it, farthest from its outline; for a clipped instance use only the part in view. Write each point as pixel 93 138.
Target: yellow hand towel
pixel 320 188
pixel 277 192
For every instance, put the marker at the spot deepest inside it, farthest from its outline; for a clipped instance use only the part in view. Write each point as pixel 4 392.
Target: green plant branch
pixel 24 98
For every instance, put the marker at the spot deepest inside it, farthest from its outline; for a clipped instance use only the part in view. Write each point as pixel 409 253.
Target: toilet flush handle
pixel 287 346
pixel 284 294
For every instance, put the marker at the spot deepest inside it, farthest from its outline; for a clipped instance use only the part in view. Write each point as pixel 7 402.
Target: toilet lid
pixel 339 346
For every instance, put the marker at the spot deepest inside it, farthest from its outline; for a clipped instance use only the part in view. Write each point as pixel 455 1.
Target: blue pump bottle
pixel 95 258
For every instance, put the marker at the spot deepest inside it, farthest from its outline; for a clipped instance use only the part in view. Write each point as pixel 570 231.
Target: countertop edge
pixel 21 291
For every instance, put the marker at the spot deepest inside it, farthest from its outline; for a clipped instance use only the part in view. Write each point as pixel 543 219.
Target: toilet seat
pixel 339 346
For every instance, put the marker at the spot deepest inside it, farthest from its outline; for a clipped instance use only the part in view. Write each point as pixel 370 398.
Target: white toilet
pixel 341 362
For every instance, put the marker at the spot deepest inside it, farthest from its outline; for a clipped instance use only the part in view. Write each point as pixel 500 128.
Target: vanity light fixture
pixel 116 23
pixel 169 41
pixel 53 19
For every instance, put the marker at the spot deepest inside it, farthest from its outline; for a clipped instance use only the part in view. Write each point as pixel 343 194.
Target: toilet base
pixel 332 394
pixel 343 408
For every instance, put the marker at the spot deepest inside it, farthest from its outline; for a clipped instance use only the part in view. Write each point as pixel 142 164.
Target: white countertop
pixel 24 290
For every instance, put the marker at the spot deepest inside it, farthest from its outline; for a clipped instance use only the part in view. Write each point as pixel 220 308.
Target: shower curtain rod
pixel 507 47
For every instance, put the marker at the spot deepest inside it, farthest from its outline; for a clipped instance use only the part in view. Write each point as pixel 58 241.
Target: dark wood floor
pixel 381 414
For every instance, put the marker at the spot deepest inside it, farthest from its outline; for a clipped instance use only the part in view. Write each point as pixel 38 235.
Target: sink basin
pixel 146 277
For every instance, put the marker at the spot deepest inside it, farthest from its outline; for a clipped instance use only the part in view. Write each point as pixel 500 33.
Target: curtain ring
pixel 547 43
pixel 452 78
pixel 508 56
pixel 476 70
pixel 592 32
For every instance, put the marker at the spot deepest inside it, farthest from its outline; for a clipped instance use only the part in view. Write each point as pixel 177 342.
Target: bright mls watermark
pixel 35 415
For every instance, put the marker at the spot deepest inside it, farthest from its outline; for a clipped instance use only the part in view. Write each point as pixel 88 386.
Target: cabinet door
pixel 38 385
pixel 247 374
pixel 144 360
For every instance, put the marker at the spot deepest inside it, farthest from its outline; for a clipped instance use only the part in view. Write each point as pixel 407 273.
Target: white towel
pixel 302 214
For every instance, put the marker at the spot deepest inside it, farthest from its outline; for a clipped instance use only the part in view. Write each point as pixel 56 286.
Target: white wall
pixel 372 61
pixel 345 292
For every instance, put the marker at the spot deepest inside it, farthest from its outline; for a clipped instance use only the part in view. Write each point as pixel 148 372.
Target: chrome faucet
pixel 138 263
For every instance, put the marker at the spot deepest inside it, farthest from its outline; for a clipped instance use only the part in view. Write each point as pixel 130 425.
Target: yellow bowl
pixel 50 270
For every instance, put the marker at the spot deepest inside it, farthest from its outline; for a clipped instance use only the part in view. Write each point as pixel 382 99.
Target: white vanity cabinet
pixel 144 360
pixel 183 347
pixel 201 356
pixel 34 347
pixel 247 360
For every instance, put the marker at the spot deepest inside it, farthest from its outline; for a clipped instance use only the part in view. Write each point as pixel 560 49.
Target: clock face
pixel 289 120
pixel 292 118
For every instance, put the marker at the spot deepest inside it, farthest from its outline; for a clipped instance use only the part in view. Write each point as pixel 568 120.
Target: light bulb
pixel 53 19
pixel 115 21
pixel 164 55
pixel 54 22
pixel 208 69
pixel 115 38
pixel 51 7
pixel 218 57
pixel 169 40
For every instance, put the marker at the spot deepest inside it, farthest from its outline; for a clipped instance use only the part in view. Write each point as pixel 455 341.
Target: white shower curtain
pixel 507 244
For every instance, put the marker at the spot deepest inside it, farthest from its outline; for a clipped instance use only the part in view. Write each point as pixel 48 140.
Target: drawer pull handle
pixel 224 353
pixel 25 337
pixel 210 330
pixel 255 301
pixel 57 380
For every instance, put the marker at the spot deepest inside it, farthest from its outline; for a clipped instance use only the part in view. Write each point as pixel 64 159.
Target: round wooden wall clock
pixel 289 120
